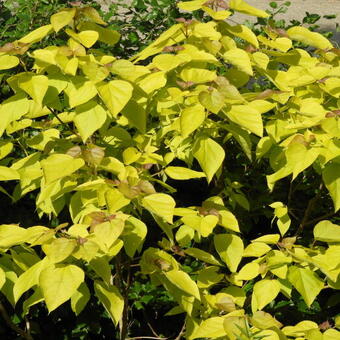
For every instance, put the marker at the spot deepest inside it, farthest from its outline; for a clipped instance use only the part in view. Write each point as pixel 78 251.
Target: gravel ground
pixel 296 10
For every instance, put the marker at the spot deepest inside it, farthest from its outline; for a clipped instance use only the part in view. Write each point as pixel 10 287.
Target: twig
pixel 308 211
pixel 13 326
pixel 146 337
pixel 317 219
pixel 150 326
pixel 125 316
pixel 181 332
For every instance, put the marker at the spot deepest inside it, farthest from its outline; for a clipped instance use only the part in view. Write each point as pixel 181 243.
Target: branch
pixel 13 326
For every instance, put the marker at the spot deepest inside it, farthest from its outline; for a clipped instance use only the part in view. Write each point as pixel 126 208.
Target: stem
pixel 146 337
pixel 63 123
pixel 13 326
pixel 125 316
pixel 181 332
pixel 309 210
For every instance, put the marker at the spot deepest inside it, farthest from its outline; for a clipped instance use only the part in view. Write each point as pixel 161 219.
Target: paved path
pixel 298 9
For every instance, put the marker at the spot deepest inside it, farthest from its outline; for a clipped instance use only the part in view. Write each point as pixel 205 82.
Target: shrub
pixel 212 154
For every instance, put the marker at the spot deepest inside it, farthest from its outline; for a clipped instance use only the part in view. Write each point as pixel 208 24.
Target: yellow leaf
pixel 191 119
pixel 210 156
pixel 166 62
pixel 306 282
pixel 153 81
pixel 106 35
pixel 111 299
pixel 256 249
pixel 89 118
pixel 80 298
pixel 59 283
pixel 181 173
pixel 183 281
pixel 326 231
pixel 86 38
pixel 243 7
pixel 36 35
pixel 8 61
pixel 217 15
pixel 230 248
pixel 8 174
pixel 248 272
pixel 242 32
pixel 62 18
pixel 28 279
pixel 161 205
pixel 210 328
pixel 264 292
pixel 191 5
pixel 80 93
pixel 206 30
pixel 59 165
pixel 304 35
pixel 59 249
pixel 197 75
pixel 35 86
pixel 240 59
pixel 247 117
pixel 115 95
pixel 71 66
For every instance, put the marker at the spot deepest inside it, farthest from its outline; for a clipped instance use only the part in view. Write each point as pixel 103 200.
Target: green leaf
pixel 306 282
pixel 230 248
pixel 80 298
pixel 181 173
pixel 111 299
pixel 58 166
pixel 264 292
pixel 210 156
pixel 35 298
pixel 89 118
pixel 183 281
pixel 331 178
pixel 115 95
pixel 162 205
pixel 326 231
pixel 58 283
